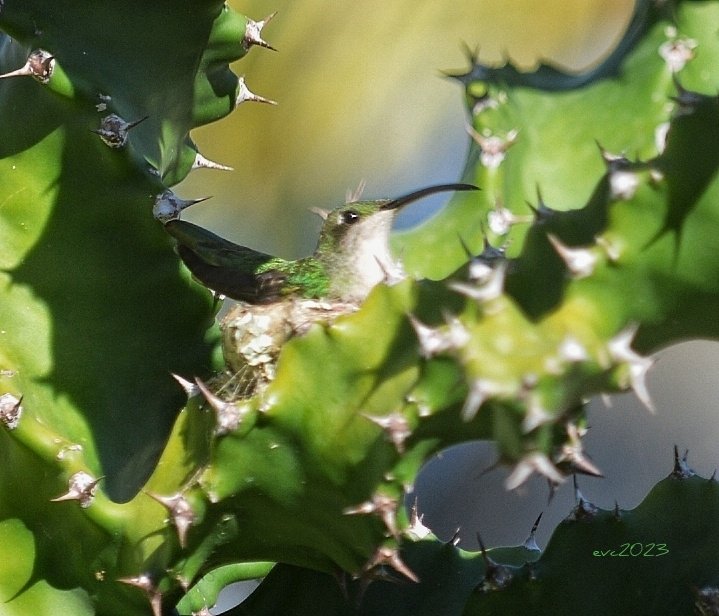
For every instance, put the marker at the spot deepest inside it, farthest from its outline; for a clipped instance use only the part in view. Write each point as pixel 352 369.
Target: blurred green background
pixel 361 96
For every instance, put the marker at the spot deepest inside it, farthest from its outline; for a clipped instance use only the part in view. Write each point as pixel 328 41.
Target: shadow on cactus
pixel 512 315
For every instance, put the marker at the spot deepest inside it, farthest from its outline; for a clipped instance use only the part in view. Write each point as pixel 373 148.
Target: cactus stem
pixel 80 487
pixel 579 261
pixel 621 352
pixel 488 289
pixel 114 130
pixel 534 462
pixel 244 94
pixel 168 205
pixel 144 582
pixel 382 505
pixel 10 410
pixel 389 556
pixel 39 66
pixel 181 512
pixel 253 33
pixel 396 427
pixel 201 162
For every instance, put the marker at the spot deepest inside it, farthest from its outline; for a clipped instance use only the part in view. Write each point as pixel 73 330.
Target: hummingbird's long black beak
pixel 423 192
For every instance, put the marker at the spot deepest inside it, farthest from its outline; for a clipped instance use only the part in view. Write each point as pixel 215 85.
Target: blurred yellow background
pixel 361 96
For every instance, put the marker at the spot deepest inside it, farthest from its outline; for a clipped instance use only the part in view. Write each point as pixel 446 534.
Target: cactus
pixel 124 494
pixel 607 562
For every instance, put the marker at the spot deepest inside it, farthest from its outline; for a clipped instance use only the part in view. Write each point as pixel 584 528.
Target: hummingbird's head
pixel 354 241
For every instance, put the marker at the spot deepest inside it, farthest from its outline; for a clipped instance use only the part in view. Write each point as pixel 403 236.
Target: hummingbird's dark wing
pixel 228 268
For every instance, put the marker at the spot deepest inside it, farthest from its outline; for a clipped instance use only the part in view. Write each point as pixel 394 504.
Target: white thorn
pixel 660 136
pixel 611 249
pixel 168 205
pixel 431 341
pixel 457 334
pixel 502 219
pixel 579 261
pixel 573 451
pixel 417 530
pixel 39 65
pixel 623 184
pixel 229 416
pixel 114 130
pixel 244 94
pixel 382 505
pixel 491 288
pixel 145 583
pixel 620 350
pixel 531 541
pixel 201 162
pixel 396 426
pixel 676 53
pixel 533 463
pixel 191 388
pixel 388 556
pixel 181 512
pixel 253 33
pixel 80 487
pixel 493 148
pixel 573 351
pixel 10 411
pixel 479 391
pixel 535 416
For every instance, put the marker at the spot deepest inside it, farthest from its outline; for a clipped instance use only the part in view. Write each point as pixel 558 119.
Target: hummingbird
pixel 351 257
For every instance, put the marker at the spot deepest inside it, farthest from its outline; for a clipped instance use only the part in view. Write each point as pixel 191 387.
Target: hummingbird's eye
pixel 349 217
